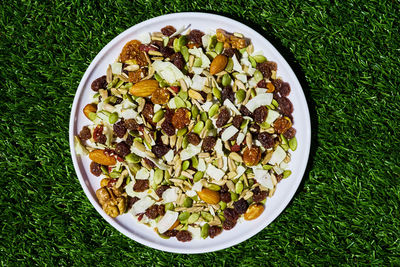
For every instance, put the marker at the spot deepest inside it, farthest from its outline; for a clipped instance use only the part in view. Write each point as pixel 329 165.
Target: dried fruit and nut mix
pixel 190 132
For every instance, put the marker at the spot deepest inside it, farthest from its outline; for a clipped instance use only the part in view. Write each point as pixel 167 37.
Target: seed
pixel 286 174
pixel 252 61
pixel 258 76
pixel 113 118
pixel 293 144
pixel 183 95
pixel 275 103
pixel 198 175
pixel 267 167
pixel 185 142
pixel 193 218
pixel 285 147
pixel 239 187
pixel 213 110
pixel 158 176
pixel 219 47
pixel 216 92
pixel 249 140
pixel 132 158
pixel 226 79
pixel 139 145
pixel 158 116
pixel 195 111
pixel 204 155
pixel 214 187
pixel 185 165
pixel 188 202
pixel 259 58
pixel 240 95
pixel 179 103
pixel 169 206
pixel 229 65
pixel 222 205
pixel 234 196
pixel 204 231
pixel 198 127
pixel 207 216
pixel 185 53
pixel 183 216
pixel 182 131
pixel 196 95
pixel 203 116
pixel 197 62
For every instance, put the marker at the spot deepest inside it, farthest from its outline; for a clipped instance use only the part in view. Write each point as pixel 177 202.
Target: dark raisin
pixel 195 36
pixel 99 83
pixel 208 143
pixel 227 93
pixel 267 140
pixel 224 189
pixel 266 68
pixel 184 236
pixel 129 140
pixel 178 60
pixel 157 43
pixel 240 206
pixel 193 138
pixel 152 212
pixel 229 52
pixel 131 201
pixel 225 197
pixel 166 51
pixel 259 195
pixel 231 214
pixel 160 150
pixel 98 135
pixel 95 168
pixel 149 162
pixel 171 233
pixel 161 210
pixel 228 224
pixel 169 113
pixel 168 128
pixel 148 112
pixel 119 129
pixel 122 149
pixel 223 117
pixel 161 190
pixel 214 230
pixel 290 133
pixel 141 185
pixel 260 114
pixel 131 125
pixel 168 30
pixel 245 111
pixel 171 40
pixel 237 121
pixel 262 84
pixel 85 133
pixel 285 105
pixel 285 89
pixel 279 177
pixel 254 128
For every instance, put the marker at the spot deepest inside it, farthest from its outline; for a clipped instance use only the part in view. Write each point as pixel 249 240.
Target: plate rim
pixel 139 239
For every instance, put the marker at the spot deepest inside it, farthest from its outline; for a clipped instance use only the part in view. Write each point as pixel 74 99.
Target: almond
pixel 144 88
pixel 218 64
pixel 102 158
pixel 209 196
pixel 253 212
pixel 89 108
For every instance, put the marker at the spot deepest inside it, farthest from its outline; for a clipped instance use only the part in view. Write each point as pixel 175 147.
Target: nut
pixel 89 108
pixel 102 158
pixel 218 64
pixel 209 196
pixel 253 212
pixel 144 88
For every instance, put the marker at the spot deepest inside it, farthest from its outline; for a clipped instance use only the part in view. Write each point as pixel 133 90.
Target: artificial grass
pixel 346 55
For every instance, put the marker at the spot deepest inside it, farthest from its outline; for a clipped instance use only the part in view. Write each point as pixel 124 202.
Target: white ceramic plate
pixel 286 188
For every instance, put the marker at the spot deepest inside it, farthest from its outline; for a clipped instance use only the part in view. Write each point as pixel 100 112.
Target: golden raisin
pixel 281 125
pixel 137 75
pixel 251 156
pixel 160 96
pixel 132 52
pixel 181 118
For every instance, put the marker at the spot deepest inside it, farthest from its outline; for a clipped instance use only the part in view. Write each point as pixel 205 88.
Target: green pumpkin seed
pixel 195 162
pixel 104 170
pixel 134 168
pixel 258 76
pixel 251 182
pixel 182 177
pixel 92 116
pixel 284 140
pixel 203 116
pixel 183 216
pixel 158 116
pixel 185 53
pixel 267 167
pixel 219 47
pixel 270 107
pixel 197 62
pixel 221 216
pixel 197 176
pixel 114 174
pixel 213 110
pixel 216 93
pixel 222 205
pixel 158 176
pixel 195 111
pixel 167 176
pixel 188 202
pixel 204 230
pixel 193 218
pixel 188 104
pixel 198 127
pixel 132 158
pixel 259 58
pixel 239 187
pixel 286 174
pixel 209 124
pixel 234 196
pixel 165 41
pixel 293 144
pixel 185 165
pixel 253 93
pixel 183 94
pixel 179 103
pixel 182 40
pixel 182 132
pixel 226 79
pixel 185 142
pixel 158 77
pixel 244 124
pixel 275 103
pixel 229 65
pixel 212 42
pixel 265 125
pixel 176 45
pixel 252 62
pixel 211 54
pixel 240 95
pixel 285 147
pixel 213 187
pixel 243 50
pixel 207 216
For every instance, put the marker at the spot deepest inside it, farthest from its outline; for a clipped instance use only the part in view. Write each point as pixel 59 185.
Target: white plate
pixel 286 188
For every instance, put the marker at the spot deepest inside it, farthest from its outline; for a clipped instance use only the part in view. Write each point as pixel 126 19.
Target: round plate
pixel 285 189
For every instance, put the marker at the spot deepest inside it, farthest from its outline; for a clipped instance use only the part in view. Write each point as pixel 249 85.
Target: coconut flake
pixel 229 132
pixel 277 156
pixel 236 65
pixel 242 77
pixel 240 138
pixel 206 106
pixel 258 101
pixel 142 174
pixel 191 193
pixel 129 114
pixel 263 178
pixel 225 163
pixel 195 231
pixel 170 195
pixel 231 106
pixel 79 148
pixel 190 151
pixel 116 68
pixel 198 82
pixel 167 221
pixel 167 71
pixel 218 148
pixel 197 70
pixel 197 186
pixel 214 172
pixel 142 205
pixel 272 116
pixel 239 170
pixel 202 165
pixel 144 38
pixel 169 156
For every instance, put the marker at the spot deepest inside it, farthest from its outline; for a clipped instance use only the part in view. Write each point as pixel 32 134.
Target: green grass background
pixel 346 55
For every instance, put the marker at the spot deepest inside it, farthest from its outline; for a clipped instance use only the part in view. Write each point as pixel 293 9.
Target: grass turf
pixel 346 54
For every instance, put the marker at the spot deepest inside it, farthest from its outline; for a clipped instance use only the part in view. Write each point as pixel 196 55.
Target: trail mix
pixel 190 132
